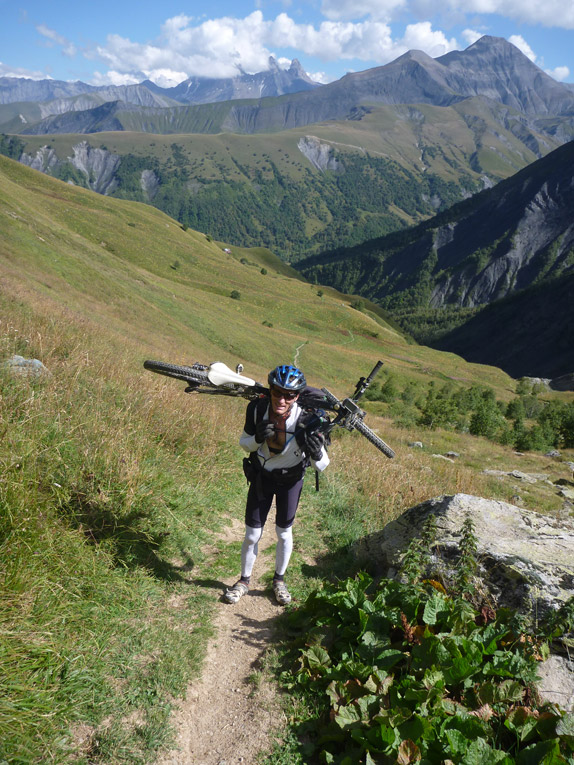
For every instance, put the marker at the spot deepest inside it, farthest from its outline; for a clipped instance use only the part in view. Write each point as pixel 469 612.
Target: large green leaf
pixel 542 753
pixel 389 658
pixel 481 753
pixel 317 657
pixel 436 608
pixel 347 716
pixel 565 728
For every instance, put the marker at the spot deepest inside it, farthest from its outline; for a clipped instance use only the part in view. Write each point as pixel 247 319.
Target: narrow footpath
pixel 231 713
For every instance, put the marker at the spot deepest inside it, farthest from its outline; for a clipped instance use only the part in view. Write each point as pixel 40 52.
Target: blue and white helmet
pixel 287 377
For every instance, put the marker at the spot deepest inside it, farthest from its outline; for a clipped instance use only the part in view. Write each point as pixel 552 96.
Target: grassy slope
pixel 113 484
pixel 399 133
pixel 447 151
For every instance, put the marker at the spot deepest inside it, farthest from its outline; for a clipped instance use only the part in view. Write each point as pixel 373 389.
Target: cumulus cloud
pixel 422 37
pixel 550 13
pixel 523 46
pixel 225 46
pixel 470 36
pixel 53 38
pixel 15 71
pixel 561 73
pixel 321 77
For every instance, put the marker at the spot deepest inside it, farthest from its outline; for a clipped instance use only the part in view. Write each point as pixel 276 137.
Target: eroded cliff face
pixel 319 154
pixel 149 183
pixel 44 160
pixel 540 242
pixel 97 165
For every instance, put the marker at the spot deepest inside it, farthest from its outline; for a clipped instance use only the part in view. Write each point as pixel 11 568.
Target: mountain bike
pixel 329 411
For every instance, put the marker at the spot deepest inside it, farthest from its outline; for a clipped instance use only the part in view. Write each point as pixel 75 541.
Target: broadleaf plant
pixel 403 673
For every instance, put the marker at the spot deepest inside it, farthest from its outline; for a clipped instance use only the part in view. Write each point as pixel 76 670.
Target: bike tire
pixel 374 439
pixel 187 374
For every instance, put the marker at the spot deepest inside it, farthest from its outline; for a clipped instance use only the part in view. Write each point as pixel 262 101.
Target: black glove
pixel 264 430
pixel 314 445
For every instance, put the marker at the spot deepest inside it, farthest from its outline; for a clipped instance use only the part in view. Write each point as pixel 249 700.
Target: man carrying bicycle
pixel 280 450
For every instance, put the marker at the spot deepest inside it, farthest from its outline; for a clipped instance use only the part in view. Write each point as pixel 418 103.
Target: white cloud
pixel 15 71
pixel 422 37
pixel 165 78
pixel 115 78
pixel 470 36
pixel 561 73
pixel 222 47
pixel 550 13
pixel 321 77
pixel 53 38
pixel 523 46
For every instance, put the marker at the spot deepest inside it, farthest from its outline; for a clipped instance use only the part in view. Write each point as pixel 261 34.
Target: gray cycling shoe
pixel 233 594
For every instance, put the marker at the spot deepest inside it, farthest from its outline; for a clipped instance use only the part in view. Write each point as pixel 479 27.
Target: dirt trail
pixel 226 718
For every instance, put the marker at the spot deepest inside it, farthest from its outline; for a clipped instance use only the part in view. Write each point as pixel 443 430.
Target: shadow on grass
pixel 335 565
pixel 128 538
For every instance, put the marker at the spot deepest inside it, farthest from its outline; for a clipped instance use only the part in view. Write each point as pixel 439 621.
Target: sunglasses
pixel 288 395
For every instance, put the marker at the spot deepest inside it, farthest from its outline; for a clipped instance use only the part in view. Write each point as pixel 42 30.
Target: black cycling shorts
pixel 260 497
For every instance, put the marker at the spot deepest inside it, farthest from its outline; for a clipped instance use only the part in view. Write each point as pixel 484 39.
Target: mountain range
pixel 510 247
pixel 397 156
pixel 492 69
pixel 39 99
pixel 389 146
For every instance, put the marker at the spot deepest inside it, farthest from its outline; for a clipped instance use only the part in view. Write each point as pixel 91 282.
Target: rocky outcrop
pixel 526 558
pixel 319 154
pixel 44 160
pixel 21 367
pixel 149 183
pixel 97 165
pixel 526 562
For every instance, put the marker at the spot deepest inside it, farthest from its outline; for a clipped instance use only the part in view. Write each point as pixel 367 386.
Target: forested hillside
pixel 291 193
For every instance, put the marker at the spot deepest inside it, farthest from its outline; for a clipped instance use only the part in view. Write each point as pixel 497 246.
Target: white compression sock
pixel 284 549
pixel 249 549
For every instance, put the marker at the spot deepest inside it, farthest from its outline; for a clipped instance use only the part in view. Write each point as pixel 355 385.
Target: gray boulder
pixel 22 367
pixel 557 682
pixel 526 559
pixel 526 562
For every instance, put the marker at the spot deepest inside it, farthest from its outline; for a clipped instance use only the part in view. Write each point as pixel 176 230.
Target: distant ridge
pixel 491 68
pixel 196 90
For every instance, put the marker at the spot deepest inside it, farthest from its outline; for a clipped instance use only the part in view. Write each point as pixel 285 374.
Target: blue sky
pixel 124 42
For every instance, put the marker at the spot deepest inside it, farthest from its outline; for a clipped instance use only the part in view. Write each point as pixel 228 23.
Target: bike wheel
pixel 374 439
pixel 188 374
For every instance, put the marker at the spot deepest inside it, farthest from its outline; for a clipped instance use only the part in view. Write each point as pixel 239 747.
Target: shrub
pixel 235 295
